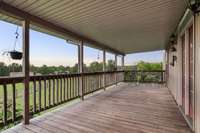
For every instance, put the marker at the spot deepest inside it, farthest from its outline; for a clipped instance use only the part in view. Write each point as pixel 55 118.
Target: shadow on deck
pixel 123 109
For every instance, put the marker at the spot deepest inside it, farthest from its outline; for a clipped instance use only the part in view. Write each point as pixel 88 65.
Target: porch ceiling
pixel 124 25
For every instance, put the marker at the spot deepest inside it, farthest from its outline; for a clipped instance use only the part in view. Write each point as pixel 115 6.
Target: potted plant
pixel 14 54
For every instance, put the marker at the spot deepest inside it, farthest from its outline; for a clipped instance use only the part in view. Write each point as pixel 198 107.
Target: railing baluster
pixel 61 94
pixel 87 87
pixel 45 88
pixel 13 102
pixel 64 80
pixel 67 87
pixel 76 85
pixel 102 81
pixel 91 84
pixel 78 91
pixel 57 89
pixel 34 96
pixel 40 102
pixel 85 80
pixel 95 83
pixel 54 91
pixel 99 81
pixel 5 104
pixel 73 88
pixel 49 93
pixel 88 84
pixel 70 88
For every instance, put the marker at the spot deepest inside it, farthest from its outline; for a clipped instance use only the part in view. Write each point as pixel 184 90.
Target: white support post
pixel 26 69
pixel 80 69
pixel 104 69
pixel 123 68
pixel 116 62
pixel 122 62
pixel 116 68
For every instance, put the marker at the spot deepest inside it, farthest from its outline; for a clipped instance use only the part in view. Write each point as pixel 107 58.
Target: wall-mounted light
pixel 194 6
pixel 173 49
pixel 173 39
pixel 174 59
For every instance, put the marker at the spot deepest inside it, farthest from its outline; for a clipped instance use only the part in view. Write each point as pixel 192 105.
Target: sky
pixel 53 51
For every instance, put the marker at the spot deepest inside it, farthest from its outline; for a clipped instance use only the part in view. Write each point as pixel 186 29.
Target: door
pixel 183 71
pixel 191 71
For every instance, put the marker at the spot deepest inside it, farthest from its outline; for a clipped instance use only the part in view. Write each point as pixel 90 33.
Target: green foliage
pixel 142 76
pixel 45 70
pixel 148 66
pixel 95 67
pixel 4 70
pixel 14 67
pixel 110 66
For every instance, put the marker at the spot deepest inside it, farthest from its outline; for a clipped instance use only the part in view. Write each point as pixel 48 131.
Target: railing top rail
pixel 144 70
pixel 8 80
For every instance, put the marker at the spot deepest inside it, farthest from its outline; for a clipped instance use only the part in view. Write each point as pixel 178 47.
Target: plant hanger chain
pixel 16 37
pixel 98 56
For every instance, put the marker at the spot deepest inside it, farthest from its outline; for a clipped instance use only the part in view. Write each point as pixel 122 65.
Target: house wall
pixel 175 73
pixel 197 73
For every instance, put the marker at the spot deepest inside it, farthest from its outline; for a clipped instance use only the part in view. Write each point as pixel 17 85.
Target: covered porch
pixel 118 27
pixel 125 108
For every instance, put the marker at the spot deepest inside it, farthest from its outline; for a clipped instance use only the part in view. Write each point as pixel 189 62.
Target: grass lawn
pixel 73 92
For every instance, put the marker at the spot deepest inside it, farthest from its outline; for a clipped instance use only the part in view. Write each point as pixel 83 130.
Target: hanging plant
pixel 14 54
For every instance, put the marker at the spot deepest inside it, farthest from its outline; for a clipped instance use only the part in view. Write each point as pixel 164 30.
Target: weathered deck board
pixel 122 109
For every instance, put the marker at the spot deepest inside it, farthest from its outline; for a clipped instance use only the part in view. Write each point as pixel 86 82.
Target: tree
pixel 110 65
pixel 95 67
pixel 14 67
pixel 145 66
pixel 45 70
pixel 4 71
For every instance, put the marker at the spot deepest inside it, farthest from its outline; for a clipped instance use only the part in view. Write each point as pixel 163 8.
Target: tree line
pixel 45 70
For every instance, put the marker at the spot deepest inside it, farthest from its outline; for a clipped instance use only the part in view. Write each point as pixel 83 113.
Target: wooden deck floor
pixel 122 109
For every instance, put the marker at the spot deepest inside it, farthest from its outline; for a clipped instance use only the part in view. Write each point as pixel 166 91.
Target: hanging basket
pixel 16 55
